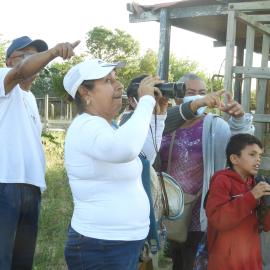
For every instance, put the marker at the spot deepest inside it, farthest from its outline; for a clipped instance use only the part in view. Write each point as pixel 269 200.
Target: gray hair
pixel 190 77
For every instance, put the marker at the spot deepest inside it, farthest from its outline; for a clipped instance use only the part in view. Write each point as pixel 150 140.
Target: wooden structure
pixel 243 27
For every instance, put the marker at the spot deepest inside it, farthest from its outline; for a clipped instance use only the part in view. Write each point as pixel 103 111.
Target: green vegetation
pixel 110 45
pixel 3 44
pixel 56 208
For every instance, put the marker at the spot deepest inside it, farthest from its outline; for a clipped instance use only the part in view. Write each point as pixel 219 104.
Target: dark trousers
pixel 19 211
pixel 183 254
pixel 88 253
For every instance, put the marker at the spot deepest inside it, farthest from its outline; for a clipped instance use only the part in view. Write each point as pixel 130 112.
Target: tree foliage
pixel 179 67
pixel 148 63
pixel 50 79
pixel 111 46
pixel 3 44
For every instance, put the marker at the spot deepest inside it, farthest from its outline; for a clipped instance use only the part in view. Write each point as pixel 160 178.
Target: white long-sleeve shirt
pixel 105 175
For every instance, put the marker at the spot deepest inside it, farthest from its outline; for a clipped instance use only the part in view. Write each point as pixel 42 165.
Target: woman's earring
pixel 88 102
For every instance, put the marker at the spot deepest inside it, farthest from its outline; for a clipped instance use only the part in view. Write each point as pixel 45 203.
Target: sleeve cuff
pixel 185 111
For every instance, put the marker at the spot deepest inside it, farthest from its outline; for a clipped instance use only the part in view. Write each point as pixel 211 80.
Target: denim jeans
pixel 87 253
pixel 19 211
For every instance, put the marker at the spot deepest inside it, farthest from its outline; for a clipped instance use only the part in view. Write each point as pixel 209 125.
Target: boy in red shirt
pixel 231 208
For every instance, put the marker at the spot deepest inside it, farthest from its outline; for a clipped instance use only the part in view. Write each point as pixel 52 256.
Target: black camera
pixel 170 89
pixel 262 178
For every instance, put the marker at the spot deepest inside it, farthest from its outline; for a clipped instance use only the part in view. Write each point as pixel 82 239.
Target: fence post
pixel 46 111
pixel 70 111
pixel 52 110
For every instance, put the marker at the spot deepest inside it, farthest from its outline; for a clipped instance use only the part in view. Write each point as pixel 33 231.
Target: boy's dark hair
pixel 132 90
pixel 237 143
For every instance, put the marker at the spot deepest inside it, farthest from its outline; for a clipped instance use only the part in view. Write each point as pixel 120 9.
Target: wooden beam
pixel 252 6
pixel 143 17
pixel 238 77
pixel 258 26
pixel 260 18
pixel 230 44
pixel 219 43
pixel 261 118
pixel 262 85
pixel 198 11
pixel 253 72
pixel 261 94
pixel 164 44
pixel 248 63
pixel 265 163
pixel 178 13
pixel 46 111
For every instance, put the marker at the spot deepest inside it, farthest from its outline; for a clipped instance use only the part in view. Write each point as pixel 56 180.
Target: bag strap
pixel 170 152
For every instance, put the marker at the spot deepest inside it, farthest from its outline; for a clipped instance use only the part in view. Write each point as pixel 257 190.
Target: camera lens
pixel 172 89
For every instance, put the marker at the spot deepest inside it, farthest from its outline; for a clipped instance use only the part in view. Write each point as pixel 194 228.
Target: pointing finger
pixel 75 44
pixel 220 92
pixel 229 97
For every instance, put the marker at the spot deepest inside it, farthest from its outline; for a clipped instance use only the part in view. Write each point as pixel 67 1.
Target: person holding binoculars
pixel 232 208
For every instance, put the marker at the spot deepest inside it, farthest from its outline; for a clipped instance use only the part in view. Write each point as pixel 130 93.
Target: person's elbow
pixel 123 155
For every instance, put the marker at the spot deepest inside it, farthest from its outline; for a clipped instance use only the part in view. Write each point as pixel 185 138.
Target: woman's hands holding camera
pixel 147 87
pixel 161 103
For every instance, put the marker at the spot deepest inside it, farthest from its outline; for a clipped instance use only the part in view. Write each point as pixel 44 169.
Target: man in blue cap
pixel 22 162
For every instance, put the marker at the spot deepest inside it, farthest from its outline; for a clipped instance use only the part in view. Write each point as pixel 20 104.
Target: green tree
pixel 214 83
pixel 179 67
pixel 42 84
pixel 112 46
pixel 3 44
pixel 148 63
pixel 50 79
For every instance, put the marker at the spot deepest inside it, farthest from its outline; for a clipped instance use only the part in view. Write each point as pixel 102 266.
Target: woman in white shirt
pixel 111 209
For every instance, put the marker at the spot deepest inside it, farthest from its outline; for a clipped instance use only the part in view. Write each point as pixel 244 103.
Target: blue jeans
pixel 19 211
pixel 87 253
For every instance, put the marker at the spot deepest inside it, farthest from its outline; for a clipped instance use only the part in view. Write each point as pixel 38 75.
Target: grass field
pixel 56 209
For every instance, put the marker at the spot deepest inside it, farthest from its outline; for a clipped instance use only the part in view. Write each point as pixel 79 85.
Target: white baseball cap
pixel 93 69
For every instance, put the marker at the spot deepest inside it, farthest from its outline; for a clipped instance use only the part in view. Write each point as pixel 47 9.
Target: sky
pixel 58 21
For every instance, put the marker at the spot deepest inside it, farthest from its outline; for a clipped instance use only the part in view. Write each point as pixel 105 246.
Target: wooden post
pixel 70 111
pixel 248 63
pixel 67 111
pixel 230 43
pixel 261 91
pixel 238 77
pixel 61 109
pixel 164 44
pixel 52 110
pixel 46 111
